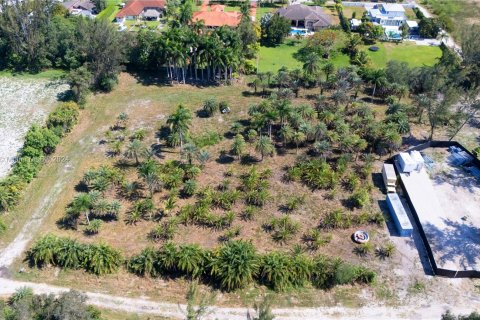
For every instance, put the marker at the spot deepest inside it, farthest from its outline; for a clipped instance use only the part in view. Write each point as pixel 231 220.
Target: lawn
pixel 50 74
pixel 415 56
pixel 273 58
pixel 110 11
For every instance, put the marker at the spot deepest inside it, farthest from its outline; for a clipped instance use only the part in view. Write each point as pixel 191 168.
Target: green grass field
pixel 273 58
pixel 415 56
pixel 110 11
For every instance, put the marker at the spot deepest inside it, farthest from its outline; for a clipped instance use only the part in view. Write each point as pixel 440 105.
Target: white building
pixel 387 14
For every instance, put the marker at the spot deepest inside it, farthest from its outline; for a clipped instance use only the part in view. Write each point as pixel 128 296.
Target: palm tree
pixel 43 252
pixel 286 134
pixel 235 264
pixel 70 253
pixel 144 263
pixel 153 182
pixel 170 203
pixel 134 150
pixel 328 69
pixel 322 148
pixel 189 152
pixel 277 271
pixel 310 67
pixel 264 146
pixel 203 156
pixel 283 109
pixel 83 203
pixel 238 145
pixel 190 259
pixel 179 122
pixel 102 259
pixel 298 138
pixel 377 78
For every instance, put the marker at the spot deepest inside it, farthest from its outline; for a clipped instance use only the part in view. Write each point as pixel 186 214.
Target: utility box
pixel 399 215
pixel 406 162
pixel 389 177
pixel 417 157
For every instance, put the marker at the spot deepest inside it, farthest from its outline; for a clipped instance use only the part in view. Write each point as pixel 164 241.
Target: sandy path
pixel 144 306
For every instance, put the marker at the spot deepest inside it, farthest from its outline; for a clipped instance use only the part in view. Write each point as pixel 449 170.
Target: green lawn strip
pixel 273 58
pixel 110 11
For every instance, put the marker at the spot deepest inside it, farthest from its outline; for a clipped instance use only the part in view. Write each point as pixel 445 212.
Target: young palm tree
pixel 190 259
pixel 276 270
pixel 322 148
pixel 153 182
pixel 134 150
pixel 235 265
pixel 328 69
pixel 145 263
pixel 44 250
pixel 298 138
pixel 238 146
pixel 70 253
pixel 169 204
pixel 189 152
pixel 264 146
pixel 102 259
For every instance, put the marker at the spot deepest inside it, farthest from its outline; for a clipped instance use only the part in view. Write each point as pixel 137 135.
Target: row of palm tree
pixel 67 253
pixel 236 264
pixel 192 52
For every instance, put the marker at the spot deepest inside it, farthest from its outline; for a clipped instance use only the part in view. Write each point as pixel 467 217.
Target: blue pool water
pixel 297 31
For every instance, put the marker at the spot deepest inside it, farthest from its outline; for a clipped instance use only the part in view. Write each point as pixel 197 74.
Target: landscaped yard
pixel 414 55
pixel 273 58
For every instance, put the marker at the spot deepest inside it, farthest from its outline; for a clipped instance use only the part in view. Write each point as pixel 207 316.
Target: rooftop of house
pixel 393 7
pixel 215 15
pixel 215 18
pixel 303 12
pixel 135 7
pixel 79 4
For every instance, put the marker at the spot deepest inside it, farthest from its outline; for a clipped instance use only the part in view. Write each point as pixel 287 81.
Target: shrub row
pixel 71 254
pixel 237 264
pixel 39 142
pixel 233 265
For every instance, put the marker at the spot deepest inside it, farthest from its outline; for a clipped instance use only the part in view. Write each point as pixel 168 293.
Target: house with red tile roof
pixel 141 9
pixel 215 16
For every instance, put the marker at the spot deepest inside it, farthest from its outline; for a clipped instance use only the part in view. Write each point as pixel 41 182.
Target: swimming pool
pixel 295 31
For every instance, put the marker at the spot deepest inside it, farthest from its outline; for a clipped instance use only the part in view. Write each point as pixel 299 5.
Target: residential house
pixel 214 16
pixel 141 10
pixel 81 7
pixel 391 16
pixel 308 17
pixel 387 14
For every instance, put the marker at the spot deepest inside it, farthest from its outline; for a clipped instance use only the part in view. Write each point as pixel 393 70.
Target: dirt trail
pixel 144 306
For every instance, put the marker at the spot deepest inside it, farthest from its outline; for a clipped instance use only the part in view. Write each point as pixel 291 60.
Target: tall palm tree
pixel 311 67
pixel 180 121
pixel 377 78
pixel 264 146
pixel 286 134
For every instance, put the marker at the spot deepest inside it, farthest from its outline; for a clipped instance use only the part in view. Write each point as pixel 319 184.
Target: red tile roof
pixel 135 7
pixel 218 18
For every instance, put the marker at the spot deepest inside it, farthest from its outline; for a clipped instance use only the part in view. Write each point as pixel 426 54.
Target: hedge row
pixel 233 265
pixel 71 254
pixel 39 143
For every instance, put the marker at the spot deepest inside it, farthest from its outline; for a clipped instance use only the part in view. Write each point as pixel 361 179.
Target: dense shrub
pixel 208 138
pixel 63 118
pixel 67 253
pixel 317 174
